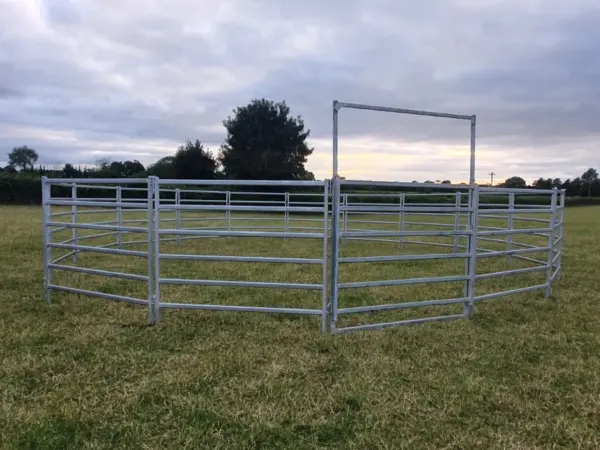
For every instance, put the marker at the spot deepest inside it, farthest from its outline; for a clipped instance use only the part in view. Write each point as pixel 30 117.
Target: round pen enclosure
pixel 354 254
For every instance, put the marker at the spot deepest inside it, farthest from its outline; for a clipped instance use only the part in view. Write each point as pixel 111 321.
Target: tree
pixel 22 157
pixel 163 168
pixel 515 182
pixel 193 161
pixel 70 172
pixel 264 142
pixel 446 182
pixel 590 175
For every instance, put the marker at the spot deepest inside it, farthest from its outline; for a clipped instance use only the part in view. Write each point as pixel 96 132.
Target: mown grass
pixel 85 373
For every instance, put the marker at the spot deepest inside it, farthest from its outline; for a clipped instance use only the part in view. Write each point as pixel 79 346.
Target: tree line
pixel 263 141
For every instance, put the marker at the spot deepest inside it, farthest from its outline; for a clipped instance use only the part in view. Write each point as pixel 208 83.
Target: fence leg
pixel 119 216
pixel 344 215
pixel 469 308
pixel 457 223
pixel 46 211
pixel 324 305
pixel 286 214
pixel 560 235
pixel 551 245
pixel 177 214
pixel 150 211
pixel 156 228
pixel 75 231
pixel 401 219
pixel 335 231
pixel 509 238
pixel 228 212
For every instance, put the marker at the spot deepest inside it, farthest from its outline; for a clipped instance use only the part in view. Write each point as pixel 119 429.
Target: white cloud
pixel 79 78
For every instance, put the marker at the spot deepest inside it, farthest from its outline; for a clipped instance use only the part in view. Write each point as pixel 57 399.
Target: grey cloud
pixel 157 71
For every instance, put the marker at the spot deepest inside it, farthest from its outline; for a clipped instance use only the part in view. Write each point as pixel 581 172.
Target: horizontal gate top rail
pixel 70 181
pixel 227 182
pixel 405 184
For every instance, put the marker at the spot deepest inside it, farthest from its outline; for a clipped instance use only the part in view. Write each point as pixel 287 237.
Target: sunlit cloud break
pixel 81 80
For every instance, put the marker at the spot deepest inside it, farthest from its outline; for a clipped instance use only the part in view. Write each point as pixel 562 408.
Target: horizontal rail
pixel 365 259
pixel 399 184
pixel 406 305
pixel 314 209
pixel 93 226
pixel 105 273
pixel 119 298
pixel 384 233
pixel 250 284
pixel 95 181
pixel 253 259
pixel 280 234
pixel 512 252
pixel 340 105
pixel 532 231
pixel 493 295
pixel 409 209
pixel 262 309
pixel 487 276
pixel 380 326
pixel 227 182
pixel 109 251
pixel 405 281
pixel 93 203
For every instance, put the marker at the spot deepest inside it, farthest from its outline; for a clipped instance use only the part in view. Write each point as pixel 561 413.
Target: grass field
pixel 85 373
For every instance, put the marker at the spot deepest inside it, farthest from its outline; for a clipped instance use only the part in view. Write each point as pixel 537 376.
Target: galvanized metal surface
pixel 346 216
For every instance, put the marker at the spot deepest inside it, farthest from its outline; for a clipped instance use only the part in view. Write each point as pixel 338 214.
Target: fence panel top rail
pixel 226 182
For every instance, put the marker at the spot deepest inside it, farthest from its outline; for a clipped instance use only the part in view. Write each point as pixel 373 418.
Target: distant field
pixel 86 373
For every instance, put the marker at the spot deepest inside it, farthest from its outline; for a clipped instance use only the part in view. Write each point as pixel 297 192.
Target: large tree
pixel 515 182
pixel 193 161
pixel 265 142
pixel 23 158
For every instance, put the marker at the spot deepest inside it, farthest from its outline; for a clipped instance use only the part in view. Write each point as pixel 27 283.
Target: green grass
pixel 84 373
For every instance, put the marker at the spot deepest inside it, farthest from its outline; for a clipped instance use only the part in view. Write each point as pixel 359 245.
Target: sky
pixel 82 80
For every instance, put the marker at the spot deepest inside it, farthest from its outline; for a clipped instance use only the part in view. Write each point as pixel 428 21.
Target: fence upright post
pixel 177 214
pixel 119 216
pixel 46 212
pixel 553 210
pixel 457 203
pixel 561 234
pixel 401 218
pixel 150 212
pixel 156 225
pixel 471 265
pixel 286 214
pixel 509 238
pixel 325 251
pixel 75 231
pixel 335 232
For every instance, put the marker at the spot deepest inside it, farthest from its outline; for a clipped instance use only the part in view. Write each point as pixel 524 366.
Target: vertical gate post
pixel 335 240
pixel 119 216
pixel 156 249
pixel 177 213
pixel 75 231
pixel 561 233
pixel 457 203
pixel 46 211
pixel 401 218
pixel 509 238
pixel 549 269
pixel 324 312
pixel 150 238
pixel 469 308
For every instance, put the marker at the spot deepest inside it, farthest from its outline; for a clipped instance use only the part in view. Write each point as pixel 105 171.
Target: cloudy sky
pixel 85 79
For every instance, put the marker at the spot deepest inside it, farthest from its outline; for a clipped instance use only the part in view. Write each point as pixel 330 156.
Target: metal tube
pixel 551 246
pixel 469 307
pixel 119 218
pixel 380 283
pixel 425 257
pixel 401 218
pixel 249 259
pixel 250 284
pixel 472 163
pixel 120 298
pixel 74 231
pixel 457 223
pixel 336 108
pixel 511 205
pixel 189 232
pixel 150 253
pixel 381 326
pixel 324 306
pixel 394 306
pixel 46 212
pixel 340 105
pixel 104 273
pixel 110 251
pixel 261 309
pixel 335 236
pixel 177 213
pixel 156 250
